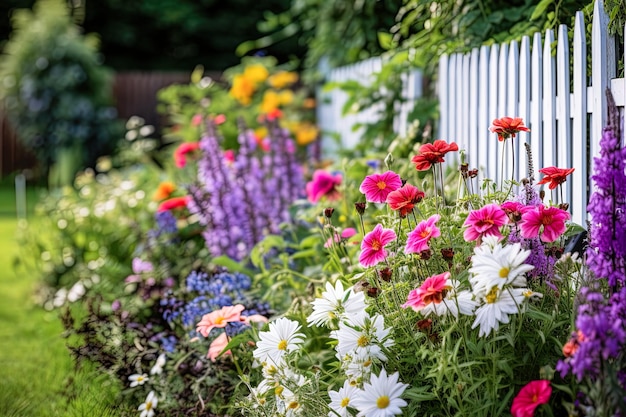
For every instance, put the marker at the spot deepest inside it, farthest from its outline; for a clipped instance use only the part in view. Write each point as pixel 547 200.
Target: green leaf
pixel 540 9
pixel 385 40
pixel 231 264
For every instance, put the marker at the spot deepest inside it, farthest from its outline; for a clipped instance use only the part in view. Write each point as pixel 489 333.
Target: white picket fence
pixel 528 81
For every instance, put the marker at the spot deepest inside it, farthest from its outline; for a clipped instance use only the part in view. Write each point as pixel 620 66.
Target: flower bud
pixel 328 212
pixel 360 207
pixel 385 274
pixel 373 292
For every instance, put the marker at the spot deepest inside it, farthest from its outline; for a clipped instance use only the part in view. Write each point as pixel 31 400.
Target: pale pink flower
pixel 373 245
pixel 323 184
pixel 347 233
pixel 217 346
pixel 546 222
pixel 219 318
pixel 485 221
pixel 417 240
pixel 377 187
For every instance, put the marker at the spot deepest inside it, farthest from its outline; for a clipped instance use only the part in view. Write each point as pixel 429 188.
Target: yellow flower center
pixel 425 232
pixel 282 345
pixel 367 363
pixel 293 405
pixel 382 402
pixel 535 398
pixel 363 341
pixel 376 245
pixel 219 320
pixel 148 405
pixel 492 295
pixel 278 390
pixel 345 402
pixel 332 315
pixel 504 272
pixel 381 185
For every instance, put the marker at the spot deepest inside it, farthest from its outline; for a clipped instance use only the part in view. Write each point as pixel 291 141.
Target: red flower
pixel 404 199
pixel 432 153
pixel 555 176
pixel 173 203
pixel 182 150
pixel 530 396
pixel 508 127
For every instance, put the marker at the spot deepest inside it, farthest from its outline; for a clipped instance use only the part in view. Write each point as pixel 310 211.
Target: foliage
pixel 54 90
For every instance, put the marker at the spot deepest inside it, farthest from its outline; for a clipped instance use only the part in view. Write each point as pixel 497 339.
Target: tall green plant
pixel 55 92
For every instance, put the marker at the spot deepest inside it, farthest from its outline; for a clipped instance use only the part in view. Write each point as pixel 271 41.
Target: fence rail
pixel 524 79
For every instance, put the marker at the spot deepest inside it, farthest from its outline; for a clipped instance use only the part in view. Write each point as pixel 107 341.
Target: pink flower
pixel 219 119
pixel 373 245
pixel 173 203
pixel 530 396
pixel 323 184
pixel 546 222
pixel 229 156
pixel 217 346
pixel 347 233
pixel 432 153
pixel 484 222
pixel 417 240
pixel 377 187
pixel 431 291
pixel 196 120
pixel 404 199
pixel 181 152
pixel 514 210
pixel 219 318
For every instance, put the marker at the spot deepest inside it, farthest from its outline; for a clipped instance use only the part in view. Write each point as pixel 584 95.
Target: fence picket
pixel 474 113
pixel 536 110
pixel 564 130
pixel 491 166
pixel 524 102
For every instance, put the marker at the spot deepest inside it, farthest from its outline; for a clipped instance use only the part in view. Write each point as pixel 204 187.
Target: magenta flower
pixel 323 184
pixel 417 240
pixel 530 396
pixel 484 222
pixel 546 222
pixel 377 187
pixel 373 245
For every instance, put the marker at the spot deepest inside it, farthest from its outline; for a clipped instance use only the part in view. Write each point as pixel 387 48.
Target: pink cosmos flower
pixel 173 203
pixel 514 210
pixel 417 240
pixel 377 187
pixel 484 222
pixel 404 199
pixel 217 346
pixel 347 233
pixel 530 396
pixel 219 318
pixel 323 184
pixel 182 150
pixel 373 245
pixel 431 291
pixel 546 222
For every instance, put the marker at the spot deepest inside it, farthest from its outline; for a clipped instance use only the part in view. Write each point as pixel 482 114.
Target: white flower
pixel 282 337
pixel 380 397
pixel 158 366
pixel 147 408
pixel 501 266
pixel 498 304
pixel 357 367
pixel 337 303
pixel 452 302
pixel 367 338
pixel 138 379
pixel 340 400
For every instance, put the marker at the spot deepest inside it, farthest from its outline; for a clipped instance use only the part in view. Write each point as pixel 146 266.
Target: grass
pixel 37 375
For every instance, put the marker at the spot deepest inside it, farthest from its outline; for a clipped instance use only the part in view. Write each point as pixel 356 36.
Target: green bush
pixel 55 92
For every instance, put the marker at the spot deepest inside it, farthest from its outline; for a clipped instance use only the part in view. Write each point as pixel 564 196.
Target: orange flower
pixel 432 153
pixel 164 190
pixel 242 89
pixel 508 127
pixel 555 176
pixel 173 203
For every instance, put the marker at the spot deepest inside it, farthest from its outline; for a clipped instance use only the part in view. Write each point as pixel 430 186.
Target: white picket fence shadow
pixel 524 79
pixel 330 104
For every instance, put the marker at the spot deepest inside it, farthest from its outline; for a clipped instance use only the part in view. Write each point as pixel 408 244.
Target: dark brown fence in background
pixel 135 95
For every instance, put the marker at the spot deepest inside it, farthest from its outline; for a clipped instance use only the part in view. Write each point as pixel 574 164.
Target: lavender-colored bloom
pixel 166 222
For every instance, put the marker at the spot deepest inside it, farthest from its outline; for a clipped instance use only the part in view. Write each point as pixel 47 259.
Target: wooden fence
pixel 135 95
pixel 564 111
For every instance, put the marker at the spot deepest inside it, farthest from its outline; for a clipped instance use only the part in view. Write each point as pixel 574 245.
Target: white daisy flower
pixel 138 379
pixel 147 408
pixel 381 396
pixel 367 339
pixel 502 266
pixel 282 337
pixel 498 304
pixel 336 304
pixel 340 400
pixel 357 367
pixel 158 366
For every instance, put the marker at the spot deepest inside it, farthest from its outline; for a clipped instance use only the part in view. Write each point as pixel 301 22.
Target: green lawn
pixel 37 375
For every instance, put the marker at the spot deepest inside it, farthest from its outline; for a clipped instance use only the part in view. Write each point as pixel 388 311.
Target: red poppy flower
pixel 432 153
pixel 173 203
pixel 555 176
pixel 508 127
pixel 530 396
pixel 404 199
pixel 182 150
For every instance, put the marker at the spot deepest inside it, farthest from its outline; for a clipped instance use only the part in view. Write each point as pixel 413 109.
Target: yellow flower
pixel 285 97
pixel 260 133
pixel 306 133
pixel 242 89
pixel 256 73
pixel 282 79
pixel 271 101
